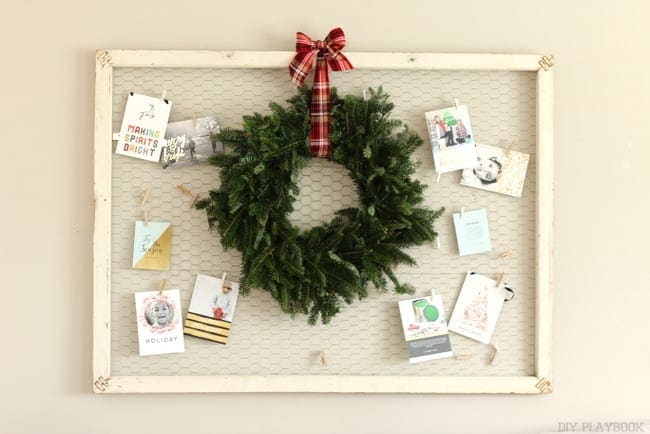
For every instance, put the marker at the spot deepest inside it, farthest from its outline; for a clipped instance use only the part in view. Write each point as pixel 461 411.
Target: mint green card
pixel 472 232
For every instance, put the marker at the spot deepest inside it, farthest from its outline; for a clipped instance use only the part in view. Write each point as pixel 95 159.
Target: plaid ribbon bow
pixel 328 55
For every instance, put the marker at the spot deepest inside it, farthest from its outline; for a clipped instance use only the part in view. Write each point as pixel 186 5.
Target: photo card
pixel 425 328
pixel 452 139
pixel 500 170
pixel 158 317
pixel 190 142
pixel 478 307
pixel 152 245
pixel 211 309
pixel 143 127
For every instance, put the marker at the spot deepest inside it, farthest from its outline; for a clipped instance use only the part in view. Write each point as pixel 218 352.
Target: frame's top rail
pixel 281 59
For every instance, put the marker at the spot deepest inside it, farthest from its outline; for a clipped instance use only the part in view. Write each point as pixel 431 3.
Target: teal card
pixel 472 232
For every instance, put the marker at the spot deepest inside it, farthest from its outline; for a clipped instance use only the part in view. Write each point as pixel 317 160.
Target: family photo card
pixel 499 170
pixel 158 317
pixel 143 127
pixel 452 139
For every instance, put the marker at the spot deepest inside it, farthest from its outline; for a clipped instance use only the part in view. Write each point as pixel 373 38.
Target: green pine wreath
pixel 314 271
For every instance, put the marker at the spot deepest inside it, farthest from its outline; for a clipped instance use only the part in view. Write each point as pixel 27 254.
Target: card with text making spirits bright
pixel 158 317
pixel 142 134
pixel 478 307
pixel 152 245
pixel 425 328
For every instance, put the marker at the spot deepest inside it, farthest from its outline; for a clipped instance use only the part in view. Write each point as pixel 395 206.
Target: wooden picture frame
pixel 104 382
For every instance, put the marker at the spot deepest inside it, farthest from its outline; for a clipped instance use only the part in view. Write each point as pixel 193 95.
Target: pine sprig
pixel 313 272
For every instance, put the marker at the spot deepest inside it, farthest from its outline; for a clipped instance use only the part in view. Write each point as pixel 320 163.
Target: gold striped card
pixel 204 327
pixel 211 309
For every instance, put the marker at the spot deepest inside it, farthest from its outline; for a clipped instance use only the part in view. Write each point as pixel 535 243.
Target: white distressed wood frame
pixel 104 382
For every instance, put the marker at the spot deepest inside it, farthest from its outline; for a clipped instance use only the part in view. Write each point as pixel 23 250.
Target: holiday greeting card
pixel 425 328
pixel 152 245
pixel 472 232
pixel 143 127
pixel 478 307
pixel 211 309
pixel 452 139
pixel 190 142
pixel 158 318
pixel 499 170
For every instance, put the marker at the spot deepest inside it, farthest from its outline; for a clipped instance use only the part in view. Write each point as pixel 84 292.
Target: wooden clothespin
pixel 163 96
pixel 323 359
pixel 437 176
pixel 162 286
pixel 225 286
pixel 462 212
pixel 495 348
pixel 456 104
pixel 500 280
pixel 464 356
pixel 143 200
pixel 186 191
pixel 505 255
pixel 365 95
pixel 438 242
pixel 144 197
pixel 509 148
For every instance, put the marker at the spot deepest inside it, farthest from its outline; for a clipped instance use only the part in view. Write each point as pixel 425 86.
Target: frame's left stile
pixel 102 223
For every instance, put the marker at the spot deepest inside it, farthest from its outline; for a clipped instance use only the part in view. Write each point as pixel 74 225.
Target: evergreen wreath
pixel 314 271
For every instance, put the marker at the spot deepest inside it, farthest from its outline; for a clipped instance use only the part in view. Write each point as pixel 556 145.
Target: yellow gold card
pixel 152 245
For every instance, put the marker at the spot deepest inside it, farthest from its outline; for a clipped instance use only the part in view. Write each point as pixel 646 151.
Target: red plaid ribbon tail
pixel 328 55
pixel 320 111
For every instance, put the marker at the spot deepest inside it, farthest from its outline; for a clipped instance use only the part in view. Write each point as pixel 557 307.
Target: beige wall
pixel 602 361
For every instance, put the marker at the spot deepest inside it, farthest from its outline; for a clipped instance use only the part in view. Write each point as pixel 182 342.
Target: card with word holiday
pixel 478 307
pixel 499 170
pixel 190 142
pixel 472 232
pixel 143 127
pixel 152 245
pixel 159 326
pixel 211 309
pixel 425 328
pixel 452 139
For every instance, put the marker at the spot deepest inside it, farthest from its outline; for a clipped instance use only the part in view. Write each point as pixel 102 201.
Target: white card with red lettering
pixel 142 134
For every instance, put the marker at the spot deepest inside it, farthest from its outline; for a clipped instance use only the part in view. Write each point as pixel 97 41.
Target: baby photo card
pixel 425 328
pixel 143 127
pixel 478 307
pixel 152 245
pixel 499 170
pixel 158 319
pixel 211 309
pixel 190 142
pixel 472 232
pixel 452 139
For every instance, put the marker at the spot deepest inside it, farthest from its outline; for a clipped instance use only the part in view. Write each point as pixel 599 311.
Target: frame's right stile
pixel 541 382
